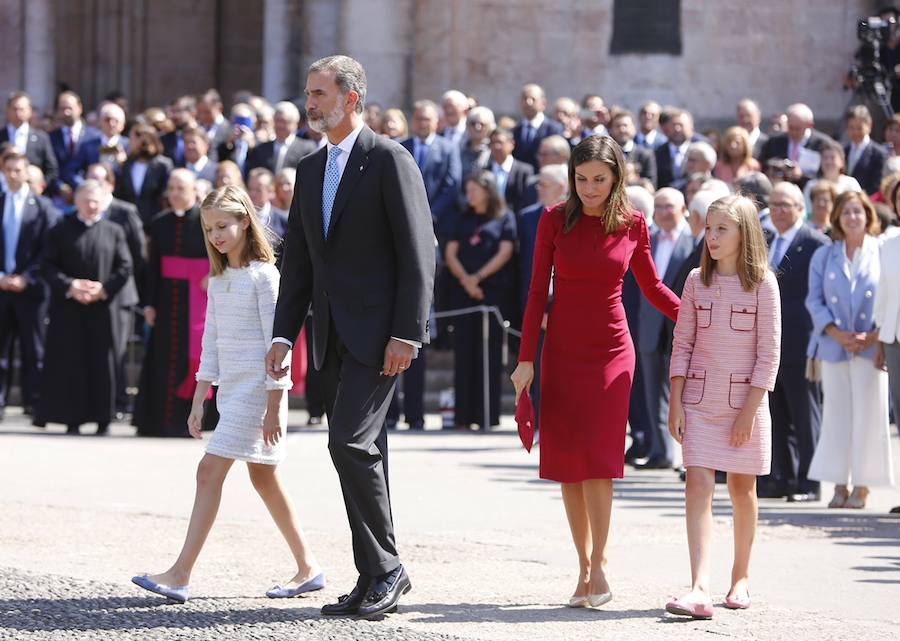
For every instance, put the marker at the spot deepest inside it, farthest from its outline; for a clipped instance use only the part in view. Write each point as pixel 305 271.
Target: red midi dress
pixel 588 355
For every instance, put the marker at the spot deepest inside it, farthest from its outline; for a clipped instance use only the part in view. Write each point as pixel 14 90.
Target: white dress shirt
pixel 455 134
pixel 280 150
pixel 665 246
pixel 788 238
pixel 198 166
pixel 138 173
pixel 19 137
pixel 12 220
pixel 856 152
pixel 346 146
pixel 501 173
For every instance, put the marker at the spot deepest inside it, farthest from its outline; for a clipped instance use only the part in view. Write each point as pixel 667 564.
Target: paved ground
pixel 485 542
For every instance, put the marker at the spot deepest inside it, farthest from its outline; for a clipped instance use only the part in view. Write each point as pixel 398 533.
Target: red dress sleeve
pixel 644 269
pixel 538 290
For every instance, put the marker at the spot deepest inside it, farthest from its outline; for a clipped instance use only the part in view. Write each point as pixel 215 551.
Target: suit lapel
pixel 356 167
pixel 796 247
pixel 315 196
pixel 29 214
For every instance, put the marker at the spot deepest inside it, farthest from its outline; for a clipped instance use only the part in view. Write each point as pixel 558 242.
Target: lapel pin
pixel 360 167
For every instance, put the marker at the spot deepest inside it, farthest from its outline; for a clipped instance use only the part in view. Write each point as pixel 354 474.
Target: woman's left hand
pixel 742 429
pixel 272 430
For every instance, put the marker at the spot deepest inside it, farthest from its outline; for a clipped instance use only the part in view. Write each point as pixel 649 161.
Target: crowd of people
pixel 74 292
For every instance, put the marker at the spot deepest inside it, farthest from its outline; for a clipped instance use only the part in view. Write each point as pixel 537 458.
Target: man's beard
pixel 325 123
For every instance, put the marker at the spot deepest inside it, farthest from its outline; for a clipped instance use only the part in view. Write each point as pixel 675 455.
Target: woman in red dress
pixel 587 244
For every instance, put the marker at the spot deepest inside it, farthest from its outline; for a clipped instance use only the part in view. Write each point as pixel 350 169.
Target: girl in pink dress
pixel 725 355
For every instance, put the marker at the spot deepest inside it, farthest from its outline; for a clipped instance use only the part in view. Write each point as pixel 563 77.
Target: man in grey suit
pixel 287 149
pixel 360 248
pixel 671 244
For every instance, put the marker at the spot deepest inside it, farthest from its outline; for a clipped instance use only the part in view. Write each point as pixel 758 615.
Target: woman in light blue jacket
pixel 854 447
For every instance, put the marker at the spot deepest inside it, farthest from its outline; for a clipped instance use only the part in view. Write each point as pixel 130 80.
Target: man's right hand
pixel 277 363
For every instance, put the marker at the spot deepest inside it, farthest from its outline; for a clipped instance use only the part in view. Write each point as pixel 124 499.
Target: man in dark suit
pixel 34 143
pixel 360 247
pixel 23 294
pixel 128 300
pixel 795 403
pixel 801 144
pixel 287 149
pixel 241 137
pixel 865 157
pixel 109 147
pixel 671 243
pixel 514 177
pixel 68 138
pixel 534 126
pixel 749 117
pixel 196 154
pixel 183 113
pixel 438 159
pixel 649 134
pixel 209 116
pixel 622 130
pixel 670 157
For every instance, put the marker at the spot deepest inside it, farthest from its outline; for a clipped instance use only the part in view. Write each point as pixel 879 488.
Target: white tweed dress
pixel 237 335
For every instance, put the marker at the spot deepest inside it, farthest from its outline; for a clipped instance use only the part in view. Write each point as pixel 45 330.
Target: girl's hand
pixel 195 421
pixel 272 430
pixel 742 429
pixel 677 420
pixel 880 361
pixel 522 377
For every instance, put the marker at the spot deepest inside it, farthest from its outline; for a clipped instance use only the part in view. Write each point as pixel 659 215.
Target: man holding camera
pixel 796 154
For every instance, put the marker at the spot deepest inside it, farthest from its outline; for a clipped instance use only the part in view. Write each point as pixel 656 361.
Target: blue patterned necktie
pixel 777 252
pixel 330 186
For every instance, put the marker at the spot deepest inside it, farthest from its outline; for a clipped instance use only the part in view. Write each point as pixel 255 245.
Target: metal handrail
pixel 486 312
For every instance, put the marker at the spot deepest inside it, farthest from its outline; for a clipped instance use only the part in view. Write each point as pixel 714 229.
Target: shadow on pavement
pixel 137 613
pixel 524 613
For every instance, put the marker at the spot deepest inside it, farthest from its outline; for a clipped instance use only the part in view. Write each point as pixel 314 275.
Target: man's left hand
pixel 397 357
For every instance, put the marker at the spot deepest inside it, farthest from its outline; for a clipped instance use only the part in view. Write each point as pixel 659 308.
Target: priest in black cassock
pixel 127 217
pixel 86 263
pixel 175 309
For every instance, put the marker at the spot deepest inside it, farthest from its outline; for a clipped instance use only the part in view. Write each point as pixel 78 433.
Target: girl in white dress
pixel 243 289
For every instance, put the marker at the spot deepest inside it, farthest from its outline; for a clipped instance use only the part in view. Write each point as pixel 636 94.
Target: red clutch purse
pixel 525 419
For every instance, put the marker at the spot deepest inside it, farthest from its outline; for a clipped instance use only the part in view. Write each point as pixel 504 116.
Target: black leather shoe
pixel 417 426
pixel 384 594
pixel 770 492
pixel 348 604
pixel 314 421
pixel 654 463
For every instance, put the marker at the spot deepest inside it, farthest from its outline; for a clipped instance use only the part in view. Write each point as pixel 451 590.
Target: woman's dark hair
pixel 496 203
pixel 149 146
pixel 617 213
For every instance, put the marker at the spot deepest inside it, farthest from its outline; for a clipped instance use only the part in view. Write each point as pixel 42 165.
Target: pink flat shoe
pixel 737 603
pixel 702 611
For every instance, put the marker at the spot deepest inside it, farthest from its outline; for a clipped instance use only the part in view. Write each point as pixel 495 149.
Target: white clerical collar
pixel 179 213
pixel 628 146
pixel 90 222
pixel 347 143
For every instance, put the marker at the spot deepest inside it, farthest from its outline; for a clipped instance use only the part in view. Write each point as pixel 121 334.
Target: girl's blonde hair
pixel 235 201
pixel 753 261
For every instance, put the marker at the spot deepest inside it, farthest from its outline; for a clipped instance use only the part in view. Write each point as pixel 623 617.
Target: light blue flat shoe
pixel 180 595
pixel 315 583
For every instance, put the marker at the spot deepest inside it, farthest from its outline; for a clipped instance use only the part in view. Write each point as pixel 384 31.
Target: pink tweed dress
pixel 726 341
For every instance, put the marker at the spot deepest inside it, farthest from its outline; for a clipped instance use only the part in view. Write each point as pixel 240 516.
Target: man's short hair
pixel 107 170
pixel 706 149
pixel 701 201
pixel 89 185
pixel 112 109
pixel 619 114
pixel 68 93
pixel 793 191
pixel 505 133
pixel 261 172
pixel 640 199
pixel 14 156
pixel 15 95
pixel 426 104
pixel 801 111
pixel 558 173
pixel 860 112
pixel 457 97
pixel 558 145
pixel 186 102
pixel 213 96
pixel 349 75
pixel 288 109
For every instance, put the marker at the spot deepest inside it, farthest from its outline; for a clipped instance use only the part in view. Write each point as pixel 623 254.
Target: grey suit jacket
pixel 651 330
pixel 373 278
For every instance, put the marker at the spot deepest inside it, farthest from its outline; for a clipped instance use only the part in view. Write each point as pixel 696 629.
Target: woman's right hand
pixel 522 377
pixel 677 419
pixel 880 360
pixel 195 421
